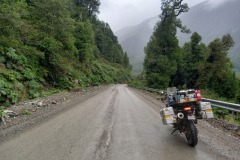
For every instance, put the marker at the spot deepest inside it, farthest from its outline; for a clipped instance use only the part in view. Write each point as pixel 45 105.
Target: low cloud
pixel 122 13
pixel 215 3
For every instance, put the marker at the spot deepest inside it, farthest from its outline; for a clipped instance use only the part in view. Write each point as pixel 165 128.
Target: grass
pixel 233 119
pixel 51 92
pixel 211 95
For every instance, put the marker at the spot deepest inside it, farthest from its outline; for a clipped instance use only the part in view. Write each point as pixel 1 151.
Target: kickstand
pixel 174 130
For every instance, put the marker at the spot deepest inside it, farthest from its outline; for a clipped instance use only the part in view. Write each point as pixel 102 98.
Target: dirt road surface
pixel 120 123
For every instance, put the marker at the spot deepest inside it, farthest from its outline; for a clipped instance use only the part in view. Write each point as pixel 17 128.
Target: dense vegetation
pixel 195 65
pixel 211 23
pixel 163 51
pixel 55 43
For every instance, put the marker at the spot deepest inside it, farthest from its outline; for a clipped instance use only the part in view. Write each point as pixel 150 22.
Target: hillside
pixel 209 22
pixel 133 40
pixel 55 44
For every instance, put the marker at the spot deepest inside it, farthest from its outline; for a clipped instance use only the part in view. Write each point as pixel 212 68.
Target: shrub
pixel 220 112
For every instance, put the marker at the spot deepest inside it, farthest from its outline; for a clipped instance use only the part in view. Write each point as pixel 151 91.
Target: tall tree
pixel 217 72
pixel 84 41
pixel 162 50
pixel 54 37
pixel 192 57
pixel 90 7
pixel 12 23
pixel 107 43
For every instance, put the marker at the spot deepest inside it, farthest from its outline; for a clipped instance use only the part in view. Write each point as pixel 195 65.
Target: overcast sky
pixel 122 13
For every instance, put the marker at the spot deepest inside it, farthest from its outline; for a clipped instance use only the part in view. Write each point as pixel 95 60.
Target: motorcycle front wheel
pixel 191 133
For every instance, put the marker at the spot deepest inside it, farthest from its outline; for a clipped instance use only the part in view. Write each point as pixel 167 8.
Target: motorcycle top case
pixel 167 115
pixel 184 96
pixel 206 110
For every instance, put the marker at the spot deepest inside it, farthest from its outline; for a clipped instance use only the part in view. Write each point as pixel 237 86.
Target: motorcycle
pixel 183 110
pixel 185 123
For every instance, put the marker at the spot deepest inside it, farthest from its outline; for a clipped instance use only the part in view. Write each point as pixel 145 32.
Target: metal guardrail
pixel 221 104
pixel 229 106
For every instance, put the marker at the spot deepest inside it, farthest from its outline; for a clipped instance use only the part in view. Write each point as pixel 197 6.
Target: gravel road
pixel 119 123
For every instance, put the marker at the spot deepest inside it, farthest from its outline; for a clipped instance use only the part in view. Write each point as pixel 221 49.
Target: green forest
pixel 49 44
pixel 61 44
pixel 195 65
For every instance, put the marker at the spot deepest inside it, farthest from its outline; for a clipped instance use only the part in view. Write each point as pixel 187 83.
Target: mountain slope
pixel 210 22
pixel 45 44
pixel 134 39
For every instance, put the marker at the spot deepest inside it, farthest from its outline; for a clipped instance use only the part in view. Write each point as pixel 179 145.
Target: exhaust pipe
pixel 180 115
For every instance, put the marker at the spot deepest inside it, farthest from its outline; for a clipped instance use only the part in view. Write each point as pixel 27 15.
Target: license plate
pixel 191 117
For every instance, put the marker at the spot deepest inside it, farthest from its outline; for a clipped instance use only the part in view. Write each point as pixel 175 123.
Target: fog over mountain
pixel 210 21
pixel 134 39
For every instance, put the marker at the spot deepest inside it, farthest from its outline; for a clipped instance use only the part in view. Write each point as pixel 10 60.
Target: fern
pixel 29 74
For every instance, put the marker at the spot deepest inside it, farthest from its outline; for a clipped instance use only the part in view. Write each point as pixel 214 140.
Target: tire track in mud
pixel 108 121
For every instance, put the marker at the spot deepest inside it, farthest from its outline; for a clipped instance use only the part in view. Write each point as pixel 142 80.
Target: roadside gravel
pixel 31 113
pixel 215 135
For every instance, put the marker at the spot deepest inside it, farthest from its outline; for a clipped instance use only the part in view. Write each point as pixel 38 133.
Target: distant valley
pixel 209 22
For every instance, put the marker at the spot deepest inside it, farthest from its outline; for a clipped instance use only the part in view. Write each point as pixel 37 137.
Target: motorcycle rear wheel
pixel 191 134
